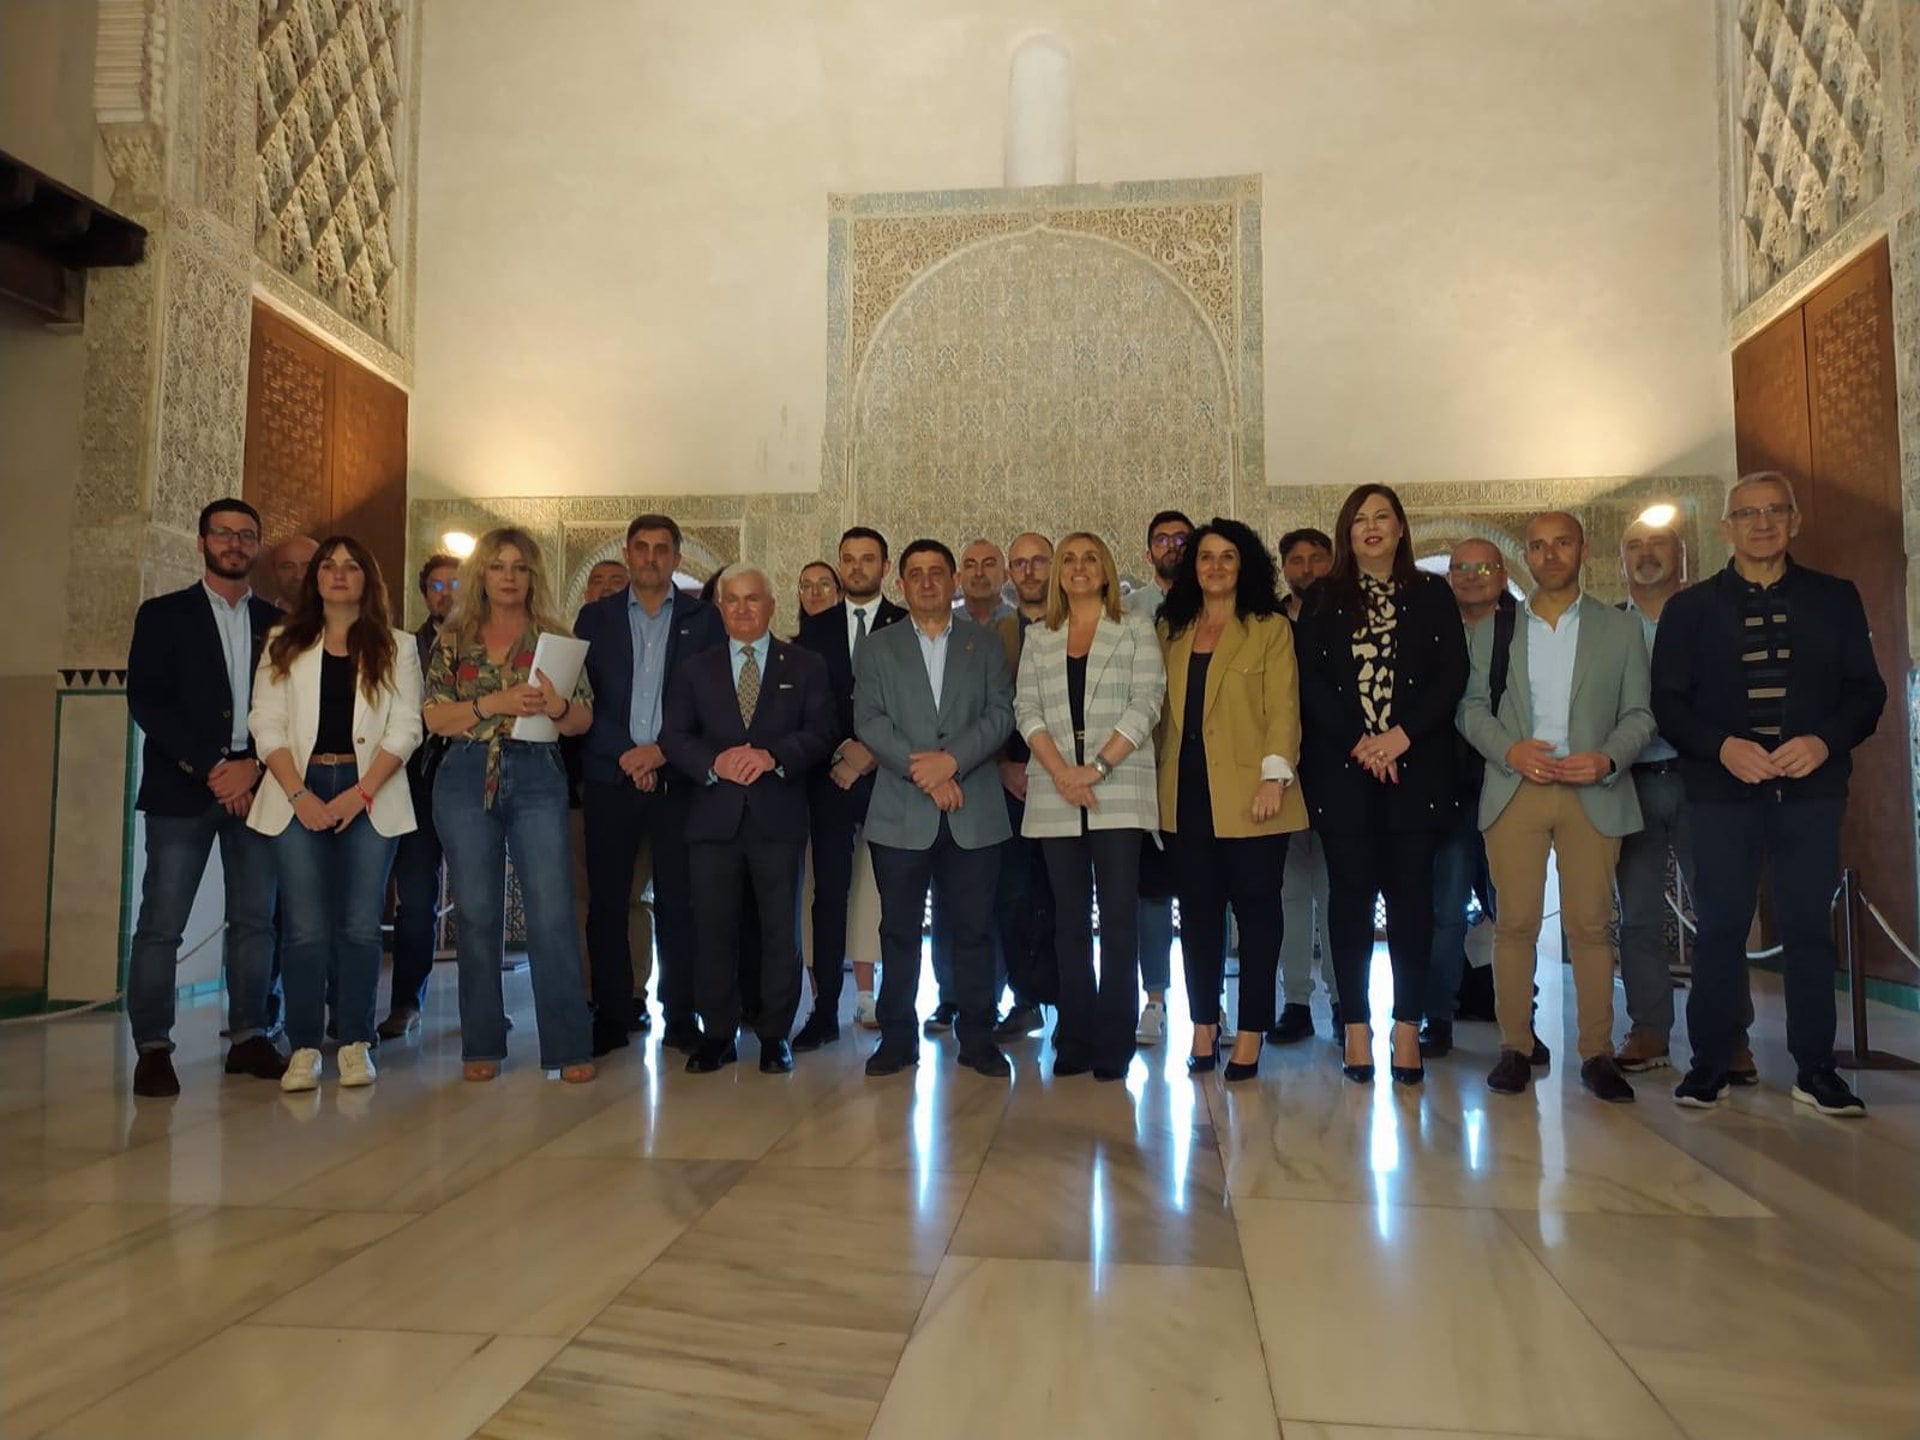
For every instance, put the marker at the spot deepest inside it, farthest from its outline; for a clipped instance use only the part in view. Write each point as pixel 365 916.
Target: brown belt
pixel 333 759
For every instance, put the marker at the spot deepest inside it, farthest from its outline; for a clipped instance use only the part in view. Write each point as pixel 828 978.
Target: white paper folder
pixel 559 658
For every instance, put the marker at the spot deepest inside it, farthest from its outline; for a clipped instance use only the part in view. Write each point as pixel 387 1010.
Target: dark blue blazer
pixel 180 696
pixel 826 635
pixel 603 625
pixel 793 721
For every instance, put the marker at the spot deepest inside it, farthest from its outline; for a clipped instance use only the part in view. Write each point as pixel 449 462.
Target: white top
pixel 1550 652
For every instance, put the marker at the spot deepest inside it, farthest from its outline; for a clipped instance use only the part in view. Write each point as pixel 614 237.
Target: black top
pixel 335 735
pixel 1077 704
pixel 1196 712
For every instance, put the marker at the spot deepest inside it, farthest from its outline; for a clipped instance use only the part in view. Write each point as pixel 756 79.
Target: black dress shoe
pixel 1602 1076
pixel 709 1057
pixel 682 1035
pixel 942 1019
pixel 1436 1040
pixel 1511 1074
pixel 642 1021
pixel 885 1061
pixel 776 1057
pixel 1296 1024
pixel 153 1075
pixel 1107 1074
pixel 1541 1055
pixel 988 1061
pixel 820 1029
pixel 258 1057
pixel 1021 1021
pixel 608 1037
pixel 1064 1069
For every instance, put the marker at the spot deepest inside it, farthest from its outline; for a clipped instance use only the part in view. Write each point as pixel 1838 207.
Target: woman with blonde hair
pixel 495 791
pixel 1089 691
pixel 336 713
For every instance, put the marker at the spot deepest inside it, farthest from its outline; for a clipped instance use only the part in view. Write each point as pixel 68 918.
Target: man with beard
pixel 189 688
pixel 1305 555
pixel 1167 536
pixel 983 579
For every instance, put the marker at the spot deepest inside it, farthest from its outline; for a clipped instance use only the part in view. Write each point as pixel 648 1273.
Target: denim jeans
pixel 1303 898
pixel 940 947
pixel 333 886
pixel 416 882
pixel 529 817
pixel 177 850
pixel 1459 872
pixel 1641 882
pixel 1155 937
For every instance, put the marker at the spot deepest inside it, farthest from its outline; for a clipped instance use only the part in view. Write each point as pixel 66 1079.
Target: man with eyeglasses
pixel 189 688
pixel 1167 535
pixel 1477 575
pixel 1764 681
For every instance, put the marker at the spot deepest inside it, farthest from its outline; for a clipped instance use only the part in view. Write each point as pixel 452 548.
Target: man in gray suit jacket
pixel 933 701
pixel 1559 753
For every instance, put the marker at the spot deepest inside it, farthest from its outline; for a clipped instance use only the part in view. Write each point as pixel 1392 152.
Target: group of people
pixel 1277 743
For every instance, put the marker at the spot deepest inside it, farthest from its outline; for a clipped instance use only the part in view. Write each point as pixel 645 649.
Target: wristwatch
pixel 1102 767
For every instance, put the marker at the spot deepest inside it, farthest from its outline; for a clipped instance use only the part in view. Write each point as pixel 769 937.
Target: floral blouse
pixel 1373 651
pixel 469 674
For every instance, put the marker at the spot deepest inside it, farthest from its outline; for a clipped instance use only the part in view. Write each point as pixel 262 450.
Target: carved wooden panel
pixel 1815 396
pixel 326 446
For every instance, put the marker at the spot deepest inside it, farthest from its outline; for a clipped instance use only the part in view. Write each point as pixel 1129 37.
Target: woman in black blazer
pixel 1383 663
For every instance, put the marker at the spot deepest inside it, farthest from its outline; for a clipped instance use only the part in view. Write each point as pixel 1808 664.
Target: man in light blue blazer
pixel 1559 751
pixel 933 700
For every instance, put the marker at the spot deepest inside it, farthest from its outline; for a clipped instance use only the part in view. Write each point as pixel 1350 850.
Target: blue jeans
pixel 177 850
pixel 529 816
pixel 1459 871
pixel 1155 941
pixel 416 881
pixel 333 886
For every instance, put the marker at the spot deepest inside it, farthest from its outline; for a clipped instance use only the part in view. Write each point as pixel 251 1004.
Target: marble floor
pixel 939 1254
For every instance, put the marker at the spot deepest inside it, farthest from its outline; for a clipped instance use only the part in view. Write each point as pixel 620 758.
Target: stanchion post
pixel 1861 1056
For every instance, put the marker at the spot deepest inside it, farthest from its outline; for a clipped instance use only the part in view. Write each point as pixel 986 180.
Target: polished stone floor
pixel 939 1254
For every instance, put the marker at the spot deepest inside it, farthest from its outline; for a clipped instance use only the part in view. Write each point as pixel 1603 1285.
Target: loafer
pixel 1295 1025
pixel 891 1062
pixel 1511 1074
pixel 258 1057
pixel 153 1076
pixel 682 1035
pixel 1541 1055
pixel 820 1029
pixel 1602 1078
pixel 988 1061
pixel 710 1057
pixel 776 1057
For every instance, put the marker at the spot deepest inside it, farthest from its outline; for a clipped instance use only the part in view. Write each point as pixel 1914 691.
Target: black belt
pixel 1656 767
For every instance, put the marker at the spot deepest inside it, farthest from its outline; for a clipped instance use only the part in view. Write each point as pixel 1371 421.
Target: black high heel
pixel 1408 1074
pixel 1358 1074
pixel 1236 1071
pixel 1204 1064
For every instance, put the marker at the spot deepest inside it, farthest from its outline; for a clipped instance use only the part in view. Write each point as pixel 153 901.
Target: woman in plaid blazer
pixel 1088 695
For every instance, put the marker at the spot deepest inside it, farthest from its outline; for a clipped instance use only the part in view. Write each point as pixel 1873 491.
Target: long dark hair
pixel 1341 587
pixel 1257 592
pixel 369 641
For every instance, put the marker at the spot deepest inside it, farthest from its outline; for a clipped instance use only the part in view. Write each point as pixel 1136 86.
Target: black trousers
pixel 1025 918
pixel 902 877
pixel 1097 1017
pixel 770 871
pixel 1799 843
pixel 1396 864
pixel 834 817
pixel 416 882
pixel 1210 874
pixel 618 819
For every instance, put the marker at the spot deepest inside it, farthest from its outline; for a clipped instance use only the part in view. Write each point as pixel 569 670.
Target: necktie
pixel 859 631
pixel 749 686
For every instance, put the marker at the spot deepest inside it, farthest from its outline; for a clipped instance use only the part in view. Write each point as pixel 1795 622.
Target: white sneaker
pixel 356 1065
pixel 1153 1023
pixel 865 1014
pixel 303 1071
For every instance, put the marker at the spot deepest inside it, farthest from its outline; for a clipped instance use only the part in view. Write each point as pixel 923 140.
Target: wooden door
pixel 326 447
pixel 1814 395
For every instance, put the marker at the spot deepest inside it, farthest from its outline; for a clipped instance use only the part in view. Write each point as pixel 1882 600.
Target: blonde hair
pixel 1110 579
pixel 471 610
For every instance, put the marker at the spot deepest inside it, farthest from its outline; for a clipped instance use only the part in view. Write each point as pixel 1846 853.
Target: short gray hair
pixel 1759 477
pixel 740 570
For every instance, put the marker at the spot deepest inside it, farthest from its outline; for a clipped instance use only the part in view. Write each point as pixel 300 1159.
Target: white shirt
pixel 1550 652
pixel 855 609
pixel 235 624
pixel 933 654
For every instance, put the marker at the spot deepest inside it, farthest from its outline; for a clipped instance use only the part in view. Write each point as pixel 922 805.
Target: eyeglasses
pixel 1475 569
pixel 1168 542
pixel 1747 514
pixel 441 587
pixel 817 587
pixel 222 534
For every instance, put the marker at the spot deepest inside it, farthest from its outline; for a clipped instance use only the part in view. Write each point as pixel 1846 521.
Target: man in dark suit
pixel 640 637
pixel 840 792
pixel 189 687
pixel 746 724
pixel 934 703
pixel 1764 681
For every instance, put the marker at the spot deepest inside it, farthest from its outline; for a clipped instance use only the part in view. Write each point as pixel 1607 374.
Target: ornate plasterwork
pixel 130 62
pixel 332 136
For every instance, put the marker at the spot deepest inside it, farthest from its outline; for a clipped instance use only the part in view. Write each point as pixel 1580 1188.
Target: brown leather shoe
pixel 1743 1071
pixel 1511 1074
pixel 153 1075
pixel 1642 1050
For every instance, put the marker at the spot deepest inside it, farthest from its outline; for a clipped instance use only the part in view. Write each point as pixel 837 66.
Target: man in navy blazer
pixel 639 639
pixel 746 724
pixel 189 688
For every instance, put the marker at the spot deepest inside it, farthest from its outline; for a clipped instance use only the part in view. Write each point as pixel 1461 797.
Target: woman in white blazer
pixel 1089 692
pixel 336 713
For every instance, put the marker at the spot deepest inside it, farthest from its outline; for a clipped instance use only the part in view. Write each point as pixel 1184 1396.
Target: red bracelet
pixel 365 798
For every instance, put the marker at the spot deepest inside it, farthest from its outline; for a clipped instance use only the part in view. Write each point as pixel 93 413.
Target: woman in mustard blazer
pixel 336 713
pixel 1229 740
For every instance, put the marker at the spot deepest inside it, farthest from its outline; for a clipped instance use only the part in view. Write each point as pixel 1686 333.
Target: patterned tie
pixel 749 685
pixel 859 632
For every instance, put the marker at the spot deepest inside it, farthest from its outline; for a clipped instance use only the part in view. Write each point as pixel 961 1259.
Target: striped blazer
pixel 1126 684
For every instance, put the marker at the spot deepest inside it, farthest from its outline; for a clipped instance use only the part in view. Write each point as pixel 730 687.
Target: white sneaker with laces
pixel 356 1065
pixel 1153 1023
pixel 865 1013
pixel 303 1071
